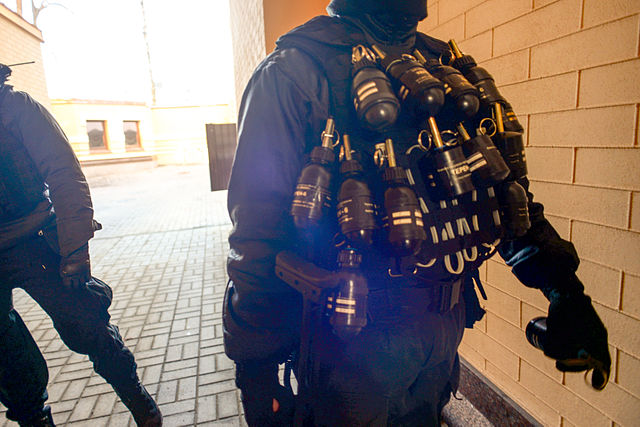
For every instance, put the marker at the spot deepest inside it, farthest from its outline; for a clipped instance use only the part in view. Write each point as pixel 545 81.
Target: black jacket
pixel 283 109
pixel 69 201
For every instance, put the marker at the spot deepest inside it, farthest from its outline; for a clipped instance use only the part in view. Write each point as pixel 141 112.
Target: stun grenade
pixel 403 218
pixel 419 91
pixel 510 144
pixel 312 196
pixel 464 95
pixel 375 103
pixel 486 164
pixel 357 213
pixel 486 85
pixel 445 167
pixel 342 293
pixel 508 137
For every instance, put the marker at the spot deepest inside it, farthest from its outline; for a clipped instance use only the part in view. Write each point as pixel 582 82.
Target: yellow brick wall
pixel 571 69
pixel 20 42
pixel 248 38
pixel 255 27
pixel 280 16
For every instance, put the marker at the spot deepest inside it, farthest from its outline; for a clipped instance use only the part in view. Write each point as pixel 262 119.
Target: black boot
pixel 141 405
pixel 43 419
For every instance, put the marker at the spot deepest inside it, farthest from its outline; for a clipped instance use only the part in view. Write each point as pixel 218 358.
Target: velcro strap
pixel 443 221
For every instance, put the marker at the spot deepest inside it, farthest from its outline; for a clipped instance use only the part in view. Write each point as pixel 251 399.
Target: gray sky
pixel 94 49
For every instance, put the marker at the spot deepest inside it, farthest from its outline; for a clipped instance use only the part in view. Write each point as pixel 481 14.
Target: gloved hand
pixel 265 401
pixel 75 268
pixel 576 337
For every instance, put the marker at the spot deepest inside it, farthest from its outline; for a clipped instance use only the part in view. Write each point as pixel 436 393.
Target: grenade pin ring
pixel 451 141
pixel 420 145
pixel 449 57
pixel 491 125
pixel 429 138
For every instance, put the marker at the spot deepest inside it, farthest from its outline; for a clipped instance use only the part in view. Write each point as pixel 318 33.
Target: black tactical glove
pixel 265 401
pixel 576 337
pixel 75 268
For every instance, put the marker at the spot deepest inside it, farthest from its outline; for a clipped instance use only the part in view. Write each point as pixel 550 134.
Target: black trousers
pixel 80 317
pixel 399 371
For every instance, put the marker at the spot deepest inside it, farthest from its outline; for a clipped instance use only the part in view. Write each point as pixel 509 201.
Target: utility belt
pixel 430 296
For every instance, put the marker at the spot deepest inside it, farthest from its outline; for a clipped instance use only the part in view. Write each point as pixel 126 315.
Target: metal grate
pixel 221 143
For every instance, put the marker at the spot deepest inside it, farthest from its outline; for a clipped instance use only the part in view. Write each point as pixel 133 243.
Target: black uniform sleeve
pixel 57 164
pixel 283 108
pixel 541 258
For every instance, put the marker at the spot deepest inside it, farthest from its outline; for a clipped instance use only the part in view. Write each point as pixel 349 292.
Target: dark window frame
pixel 138 145
pixel 105 141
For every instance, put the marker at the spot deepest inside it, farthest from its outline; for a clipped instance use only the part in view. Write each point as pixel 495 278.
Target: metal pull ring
pixel 484 129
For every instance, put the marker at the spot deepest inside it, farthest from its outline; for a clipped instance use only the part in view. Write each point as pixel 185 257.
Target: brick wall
pixel 248 36
pixel 255 27
pixel 281 16
pixel 571 70
pixel 20 42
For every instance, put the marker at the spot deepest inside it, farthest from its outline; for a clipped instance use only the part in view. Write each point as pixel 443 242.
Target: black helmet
pixel 416 9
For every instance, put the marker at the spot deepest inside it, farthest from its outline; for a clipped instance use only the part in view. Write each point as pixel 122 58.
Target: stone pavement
pixel 162 250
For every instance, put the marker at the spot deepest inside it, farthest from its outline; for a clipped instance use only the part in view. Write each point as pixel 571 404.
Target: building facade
pixel 20 43
pixel 103 132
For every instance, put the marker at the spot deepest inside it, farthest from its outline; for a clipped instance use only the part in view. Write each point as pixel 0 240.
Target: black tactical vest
pixel 460 233
pixel 21 187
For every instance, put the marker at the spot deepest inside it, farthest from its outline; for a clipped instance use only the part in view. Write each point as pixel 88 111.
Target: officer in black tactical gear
pixel 46 220
pixel 362 277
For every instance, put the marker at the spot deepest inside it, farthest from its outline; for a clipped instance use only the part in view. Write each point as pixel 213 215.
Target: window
pixel 131 134
pixel 96 129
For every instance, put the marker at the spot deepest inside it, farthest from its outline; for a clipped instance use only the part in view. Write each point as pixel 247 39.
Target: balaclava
pixel 389 21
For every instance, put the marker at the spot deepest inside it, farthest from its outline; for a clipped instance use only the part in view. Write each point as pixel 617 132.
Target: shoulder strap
pixel 432 45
